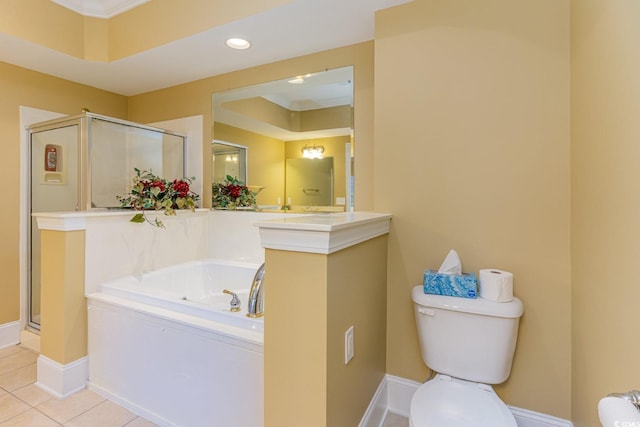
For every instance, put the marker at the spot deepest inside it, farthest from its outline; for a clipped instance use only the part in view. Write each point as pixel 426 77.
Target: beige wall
pixel 27 88
pixel 310 380
pixel 133 32
pixel 605 148
pixel 472 152
pixel 48 24
pixel 472 147
pixel 64 312
pixel 45 23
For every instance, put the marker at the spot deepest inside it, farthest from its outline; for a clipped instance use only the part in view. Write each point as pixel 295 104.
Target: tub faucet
pixel 256 296
pixel 235 301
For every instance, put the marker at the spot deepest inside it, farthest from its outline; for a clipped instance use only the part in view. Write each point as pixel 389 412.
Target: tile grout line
pixel 84 412
pixel 36 407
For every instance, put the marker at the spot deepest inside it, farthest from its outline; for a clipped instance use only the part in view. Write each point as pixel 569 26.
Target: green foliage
pixel 150 192
pixel 232 194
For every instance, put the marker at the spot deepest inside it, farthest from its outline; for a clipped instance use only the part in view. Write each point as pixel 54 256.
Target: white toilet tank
pixel 470 339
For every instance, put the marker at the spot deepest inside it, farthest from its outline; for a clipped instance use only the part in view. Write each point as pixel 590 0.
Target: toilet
pixel 469 343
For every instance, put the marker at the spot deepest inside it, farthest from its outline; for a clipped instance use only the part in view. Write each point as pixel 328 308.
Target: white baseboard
pixel 62 380
pixel 10 334
pixel 394 395
pixel 526 418
pixel 136 409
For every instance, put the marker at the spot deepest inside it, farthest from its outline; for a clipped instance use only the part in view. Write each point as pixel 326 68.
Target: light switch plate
pixel 348 345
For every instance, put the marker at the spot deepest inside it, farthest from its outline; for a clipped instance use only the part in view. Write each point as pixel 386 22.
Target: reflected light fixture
pixel 238 43
pixel 314 152
pixel 297 81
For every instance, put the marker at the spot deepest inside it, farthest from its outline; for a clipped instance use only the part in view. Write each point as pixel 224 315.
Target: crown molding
pixel 100 8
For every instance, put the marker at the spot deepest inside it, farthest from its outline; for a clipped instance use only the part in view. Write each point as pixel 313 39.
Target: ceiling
pixel 100 8
pixel 297 28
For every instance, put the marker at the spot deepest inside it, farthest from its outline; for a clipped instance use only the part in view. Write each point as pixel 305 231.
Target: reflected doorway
pixel 228 159
pixel 309 182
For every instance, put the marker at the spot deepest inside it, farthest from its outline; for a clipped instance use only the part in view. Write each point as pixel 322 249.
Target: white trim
pixel 394 395
pixel 136 409
pixel 526 418
pixel 10 334
pixel 60 223
pixel 100 9
pixel 28 116
pixel 62 380
pixel 378 407
pixel 322 234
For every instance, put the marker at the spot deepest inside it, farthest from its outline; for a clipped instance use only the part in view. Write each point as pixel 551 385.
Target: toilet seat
pixel 447 402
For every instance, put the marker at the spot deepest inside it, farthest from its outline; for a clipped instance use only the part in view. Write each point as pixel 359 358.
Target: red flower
pixel 235 190
pixel 181 187
pixel 159 184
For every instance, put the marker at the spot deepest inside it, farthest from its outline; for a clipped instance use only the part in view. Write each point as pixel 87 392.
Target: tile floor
pixel 23 404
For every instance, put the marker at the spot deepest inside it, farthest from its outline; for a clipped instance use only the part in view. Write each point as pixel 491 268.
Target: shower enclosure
pixel 81 163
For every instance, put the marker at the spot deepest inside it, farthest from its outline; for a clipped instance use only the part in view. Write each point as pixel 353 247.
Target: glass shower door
pixel 54 188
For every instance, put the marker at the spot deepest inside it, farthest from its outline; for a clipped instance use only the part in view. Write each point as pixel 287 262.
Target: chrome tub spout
pixel 256 296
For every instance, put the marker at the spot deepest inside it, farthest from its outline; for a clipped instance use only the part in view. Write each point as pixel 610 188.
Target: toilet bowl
pixel 446 402
pixel 470 344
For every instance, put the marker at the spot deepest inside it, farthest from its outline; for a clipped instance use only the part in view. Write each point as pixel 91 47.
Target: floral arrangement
pixel 232 194
pixel 150 192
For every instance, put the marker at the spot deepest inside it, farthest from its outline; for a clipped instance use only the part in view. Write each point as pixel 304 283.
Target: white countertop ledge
pixel 73 221
pixel 323 233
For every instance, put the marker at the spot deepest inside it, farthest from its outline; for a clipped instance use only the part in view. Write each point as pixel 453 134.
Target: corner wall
pixel 605 220
pixel 472 152
pixel 22 87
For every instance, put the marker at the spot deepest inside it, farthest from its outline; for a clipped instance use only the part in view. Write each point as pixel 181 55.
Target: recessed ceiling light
pixel 297 81
pixel 238 43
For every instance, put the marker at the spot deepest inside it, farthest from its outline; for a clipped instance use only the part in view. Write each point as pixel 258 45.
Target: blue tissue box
pixel 463 285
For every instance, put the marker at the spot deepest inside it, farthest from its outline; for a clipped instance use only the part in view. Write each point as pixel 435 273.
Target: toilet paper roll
pixel 616 412
pixel 496 285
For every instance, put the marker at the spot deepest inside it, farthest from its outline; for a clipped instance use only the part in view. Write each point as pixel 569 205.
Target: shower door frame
pixel 83 121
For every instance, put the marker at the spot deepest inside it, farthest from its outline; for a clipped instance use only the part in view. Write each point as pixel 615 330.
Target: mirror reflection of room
pixel 280 123
pixel 228 160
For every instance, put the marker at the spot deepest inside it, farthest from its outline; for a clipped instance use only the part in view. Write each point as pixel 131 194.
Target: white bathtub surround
pixel 172 351
pixel 394 395
pixel 132 248
pixel 195 290
pixel 173 370
pixel 62 380
pixel 234 234
pixel 167 347
pixel 138 248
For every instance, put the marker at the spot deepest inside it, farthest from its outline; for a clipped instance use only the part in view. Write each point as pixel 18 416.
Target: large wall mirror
pixel 298 135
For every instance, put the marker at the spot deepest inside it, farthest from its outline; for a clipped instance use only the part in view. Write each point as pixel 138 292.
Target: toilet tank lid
pixel 481 306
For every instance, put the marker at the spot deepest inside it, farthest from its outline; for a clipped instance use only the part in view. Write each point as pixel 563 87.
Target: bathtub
pixel 166 346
